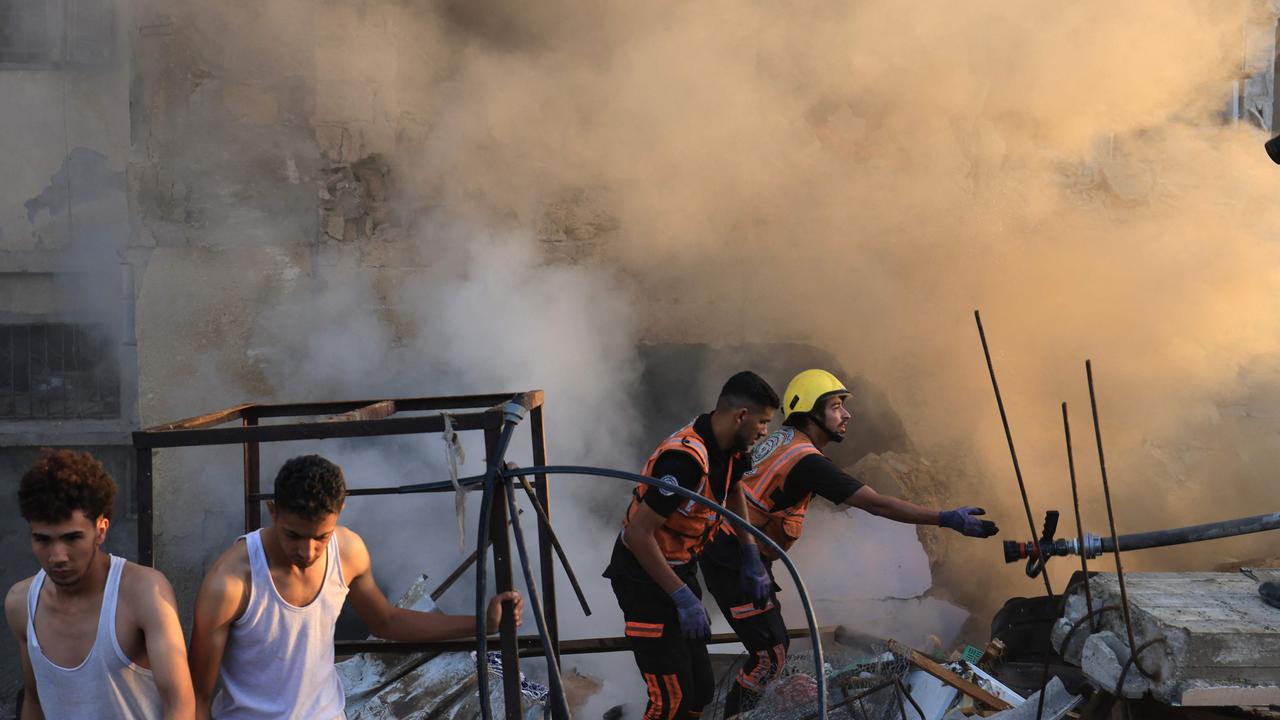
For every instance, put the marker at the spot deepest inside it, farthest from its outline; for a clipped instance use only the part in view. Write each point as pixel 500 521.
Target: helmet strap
pixel 820 421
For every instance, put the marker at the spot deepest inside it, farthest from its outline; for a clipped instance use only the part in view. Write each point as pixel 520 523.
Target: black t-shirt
pixel 812 474
pixel 818 475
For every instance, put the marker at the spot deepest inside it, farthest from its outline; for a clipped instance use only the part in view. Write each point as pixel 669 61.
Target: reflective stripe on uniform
pixel 643 630
pixel 740 612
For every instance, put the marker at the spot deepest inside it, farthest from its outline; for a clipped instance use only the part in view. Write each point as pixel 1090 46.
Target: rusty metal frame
pixel 367 418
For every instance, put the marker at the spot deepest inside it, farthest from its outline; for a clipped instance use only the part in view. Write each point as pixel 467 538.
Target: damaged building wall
pixel 284 163
pixel 67 365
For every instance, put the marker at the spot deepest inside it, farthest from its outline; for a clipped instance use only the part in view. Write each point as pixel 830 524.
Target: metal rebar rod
pixel 1075 500
pixel 858 697
pixel 906 692
pixel 1133 662
pixel 1022 487
pixel 555 543
pixel 1013 452
pixel 1111 516
pixel 559 706
pixel 1075 626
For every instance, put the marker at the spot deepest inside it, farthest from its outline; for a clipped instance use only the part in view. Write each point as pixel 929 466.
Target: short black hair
pixel 63 481
pixel 747 389
pixel 310 487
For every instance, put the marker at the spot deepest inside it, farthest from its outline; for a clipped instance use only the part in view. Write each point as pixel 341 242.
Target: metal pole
pixel 504 582
pixel 252 479
pixel 546 532
pixel 1075 500
pixel 142 473
pixel 1111 517
pixel 559 706
pixel 1022 488
pixel 546 537
pixel 1013 453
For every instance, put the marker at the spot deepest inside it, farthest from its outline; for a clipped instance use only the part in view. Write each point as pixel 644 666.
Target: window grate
pixel 53 371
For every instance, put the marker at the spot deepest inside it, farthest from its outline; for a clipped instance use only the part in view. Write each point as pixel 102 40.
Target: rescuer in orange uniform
pixel 788 469
pixel 652 569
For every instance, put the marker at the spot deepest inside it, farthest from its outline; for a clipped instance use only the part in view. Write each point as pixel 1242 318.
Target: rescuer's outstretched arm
pixel 962 520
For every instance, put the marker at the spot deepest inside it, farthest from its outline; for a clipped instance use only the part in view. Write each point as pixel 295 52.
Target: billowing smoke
pixel 566 181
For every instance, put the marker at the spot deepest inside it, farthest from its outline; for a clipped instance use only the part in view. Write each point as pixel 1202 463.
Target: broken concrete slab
pixel 1217 638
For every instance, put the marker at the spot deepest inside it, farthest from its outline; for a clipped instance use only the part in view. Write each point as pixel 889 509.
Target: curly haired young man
pixel 99 636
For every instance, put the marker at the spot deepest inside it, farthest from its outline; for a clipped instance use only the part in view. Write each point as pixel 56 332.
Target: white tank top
pixel 106 684
pixel 278 664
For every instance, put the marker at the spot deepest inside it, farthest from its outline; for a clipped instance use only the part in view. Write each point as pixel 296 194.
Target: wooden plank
pixel 927 664
pixel 373 411
pixel 305 431
pixel 419 404
pixel 202 421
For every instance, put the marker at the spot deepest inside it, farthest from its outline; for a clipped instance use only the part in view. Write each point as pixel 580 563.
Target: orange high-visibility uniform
pixel 772 461
pixel 687 529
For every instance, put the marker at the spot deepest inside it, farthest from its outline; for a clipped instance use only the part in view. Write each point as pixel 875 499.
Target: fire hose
pixel 1036 552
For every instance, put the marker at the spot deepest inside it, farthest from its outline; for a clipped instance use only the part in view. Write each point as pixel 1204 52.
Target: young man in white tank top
pixel 99 637
pixel 266 611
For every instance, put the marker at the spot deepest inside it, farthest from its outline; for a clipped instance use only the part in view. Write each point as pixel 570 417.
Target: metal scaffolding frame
pixel 371 418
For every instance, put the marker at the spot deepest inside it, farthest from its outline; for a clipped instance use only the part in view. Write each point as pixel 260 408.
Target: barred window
pixel 55 33
pixel 51 371
pixel 26 32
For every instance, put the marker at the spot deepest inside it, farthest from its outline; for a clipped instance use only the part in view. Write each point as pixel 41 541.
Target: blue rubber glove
pixel 693 618
pixel 966 522
pixel 752 576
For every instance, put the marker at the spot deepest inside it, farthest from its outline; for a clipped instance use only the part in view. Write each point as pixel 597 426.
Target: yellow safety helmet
pixel 806 391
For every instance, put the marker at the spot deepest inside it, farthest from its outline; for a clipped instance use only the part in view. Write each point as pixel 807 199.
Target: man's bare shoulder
pixel 15 603
pixel 140 583
pixel 352 551
pixel 231 570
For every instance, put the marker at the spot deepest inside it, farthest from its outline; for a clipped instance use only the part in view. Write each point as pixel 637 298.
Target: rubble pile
pixel 1209 639
pixel 426 686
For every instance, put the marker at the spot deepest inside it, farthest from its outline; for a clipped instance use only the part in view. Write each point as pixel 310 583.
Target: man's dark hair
pixel 310 487
pixel 63 481
pixel 747 389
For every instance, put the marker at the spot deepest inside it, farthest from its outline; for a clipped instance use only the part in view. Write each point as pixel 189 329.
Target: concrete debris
pixel 443 688
pixel 425 686
pixel 1217 642
pixel 365 674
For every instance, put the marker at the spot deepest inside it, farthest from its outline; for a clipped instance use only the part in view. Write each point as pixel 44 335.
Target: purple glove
pixel 753 578
pixel 966 522
pixel 693 618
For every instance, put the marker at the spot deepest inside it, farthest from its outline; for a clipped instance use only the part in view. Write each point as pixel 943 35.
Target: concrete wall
pixel 63 222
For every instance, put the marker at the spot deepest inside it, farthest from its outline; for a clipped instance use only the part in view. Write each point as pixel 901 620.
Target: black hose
pixel 738 522
pixel 560 708
pixel 1194 533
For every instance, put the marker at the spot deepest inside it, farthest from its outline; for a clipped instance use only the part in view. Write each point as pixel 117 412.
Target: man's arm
pixel 736 501
pixel 395 623
pixel 156 608
pixel 639 539
pixel 222 599
pixel 15 612
pixel 887 506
